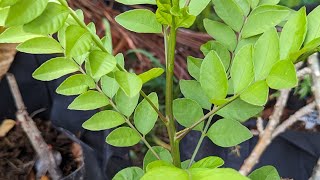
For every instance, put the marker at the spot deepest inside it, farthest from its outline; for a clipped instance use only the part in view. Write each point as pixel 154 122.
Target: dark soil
pixel 17 157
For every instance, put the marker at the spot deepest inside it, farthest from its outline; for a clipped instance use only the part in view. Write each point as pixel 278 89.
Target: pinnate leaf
pixel 104 120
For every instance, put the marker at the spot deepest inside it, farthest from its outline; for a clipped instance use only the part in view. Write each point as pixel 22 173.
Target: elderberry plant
pixel 255 47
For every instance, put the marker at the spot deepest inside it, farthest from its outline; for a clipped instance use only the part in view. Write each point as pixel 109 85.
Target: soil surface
pixel 18 157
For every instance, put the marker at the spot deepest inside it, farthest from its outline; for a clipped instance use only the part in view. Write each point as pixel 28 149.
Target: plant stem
pixel 203 135
pixel 170 44
pixel 185 131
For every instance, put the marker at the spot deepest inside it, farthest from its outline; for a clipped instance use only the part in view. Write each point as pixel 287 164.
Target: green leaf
pixel 253 3
pixel 242 72
pixel 101 63
pixel 163 153
pixel 239 110
pixel 218 173
pixel 104 120
pixel 151 74
pixel 166 172
pixel 145 116
pixel 16 34
pixel 282 75
pixel 210 162
pixel 140 21
pixel 230 13
pixel 222 33
pixel 306 51
pixel 256 94
pixel 130 173
pixel 191 89
pixel 50 21
pixel 40 45
pixel 244 5
pixel 213 78
pixel 89 100
pixel 54 69
pixel 134 2
pixel 271 2
pixel 293 34
pixel 25 11
pixel 107 40
pixel 196 7
pixel 187 112
pixel 263 18
pixel 3 15
pixel 123 137
pixel 185 164
pixel 313 25
pixel 130 83
pixel 109 85
pixel 243 42
pixel 78 41
pixel 157 164
pixel 194 65
pixel 5 3
pixel 76 84
pixel 72 21
pixel 266 54
pixel 185 20
pixel 265 173
pixel 222 51
pixel 163 13
pixel 120 59
pixel 125 104
pixel 228 133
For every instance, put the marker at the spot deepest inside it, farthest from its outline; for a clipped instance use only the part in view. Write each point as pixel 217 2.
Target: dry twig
pixel 34 135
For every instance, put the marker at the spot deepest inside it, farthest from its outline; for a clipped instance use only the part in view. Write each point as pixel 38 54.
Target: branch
pixel 266 137
pixel 34 135
pixel 293 118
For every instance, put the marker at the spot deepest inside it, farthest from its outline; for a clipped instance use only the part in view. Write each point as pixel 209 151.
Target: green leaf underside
pixel 54 69
pixel 145 116
pixel 89 100
pixel 193 109
pixel 104 120
pixel 123 137
pixel 228 133
pixel 76 84
pixel 194 65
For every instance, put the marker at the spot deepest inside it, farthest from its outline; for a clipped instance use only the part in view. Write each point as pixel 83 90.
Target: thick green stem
pixel 170 43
